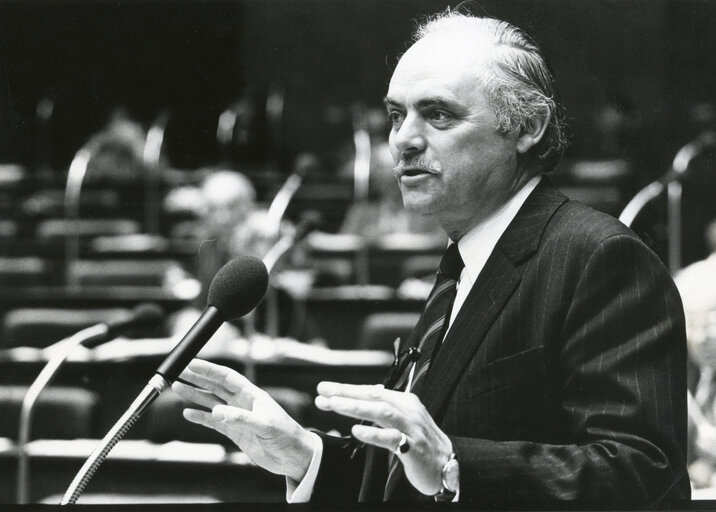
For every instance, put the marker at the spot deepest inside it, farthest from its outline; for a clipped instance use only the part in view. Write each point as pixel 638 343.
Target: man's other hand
pixel 393 413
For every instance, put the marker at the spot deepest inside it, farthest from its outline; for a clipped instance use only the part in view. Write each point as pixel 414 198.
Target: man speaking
pixel 549 361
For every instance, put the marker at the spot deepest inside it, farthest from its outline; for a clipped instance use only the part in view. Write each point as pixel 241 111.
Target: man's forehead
pixel 441 61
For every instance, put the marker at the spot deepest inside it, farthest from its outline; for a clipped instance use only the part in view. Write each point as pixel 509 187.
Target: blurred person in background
pixel 229 222
pixel 117 151
pixel 551 353
pixel 697 285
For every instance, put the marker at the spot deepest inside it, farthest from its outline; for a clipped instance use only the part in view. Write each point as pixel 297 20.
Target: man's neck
pixel 457 230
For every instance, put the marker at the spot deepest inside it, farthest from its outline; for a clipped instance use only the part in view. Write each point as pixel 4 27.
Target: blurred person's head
pixel 117 151
pixel 254 237
pixel 229 198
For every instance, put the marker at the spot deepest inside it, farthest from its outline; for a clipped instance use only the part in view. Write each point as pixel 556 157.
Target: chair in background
pixel 129 272
pixel 40 327
pixel 379 330
pixel 85 228
pixel 24 271
pixel 62 413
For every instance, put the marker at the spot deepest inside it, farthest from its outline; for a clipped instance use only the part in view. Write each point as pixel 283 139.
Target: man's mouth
pixel 412 171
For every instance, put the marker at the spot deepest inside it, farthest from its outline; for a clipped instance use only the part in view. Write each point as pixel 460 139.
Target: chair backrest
pixel 24 271
pixel 129 272
pixel 379 330
pixel 40 327
pixel 58 228
pixel 60 413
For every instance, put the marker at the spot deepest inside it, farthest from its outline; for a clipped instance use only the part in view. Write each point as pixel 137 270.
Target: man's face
pixel 452 163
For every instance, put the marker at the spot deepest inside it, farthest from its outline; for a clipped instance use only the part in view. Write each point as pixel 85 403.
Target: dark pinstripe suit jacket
pixel 562 376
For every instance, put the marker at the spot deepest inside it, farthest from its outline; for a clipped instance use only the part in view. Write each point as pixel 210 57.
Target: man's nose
pixel 409 137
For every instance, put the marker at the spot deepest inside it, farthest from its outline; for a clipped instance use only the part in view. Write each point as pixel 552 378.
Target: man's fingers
pixel 205 419
pixel 230 379
pixel 375 392
pixel 356 391
pixel 387 438
pixel 381 413
pixel 221 417
pixel 220 380
pixel 196 395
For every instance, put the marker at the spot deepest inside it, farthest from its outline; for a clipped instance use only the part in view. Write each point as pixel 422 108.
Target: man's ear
pixel 533 132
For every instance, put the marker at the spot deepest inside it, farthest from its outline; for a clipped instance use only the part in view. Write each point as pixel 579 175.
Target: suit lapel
pixel 489 295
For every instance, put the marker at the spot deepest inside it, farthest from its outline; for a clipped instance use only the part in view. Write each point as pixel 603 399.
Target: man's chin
pixel 419 205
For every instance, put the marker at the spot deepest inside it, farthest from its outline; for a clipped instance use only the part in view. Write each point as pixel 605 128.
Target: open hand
pixel 248 416
pixel 393 413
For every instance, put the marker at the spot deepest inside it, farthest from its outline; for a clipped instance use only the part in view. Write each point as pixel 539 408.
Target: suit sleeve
pixel 622 361
pixel 340 473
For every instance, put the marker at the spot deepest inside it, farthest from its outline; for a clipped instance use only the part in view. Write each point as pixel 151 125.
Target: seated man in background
pixel 550 360
pixel 229 222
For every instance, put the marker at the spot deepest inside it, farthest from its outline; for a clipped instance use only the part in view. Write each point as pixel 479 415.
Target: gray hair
pixel 521 84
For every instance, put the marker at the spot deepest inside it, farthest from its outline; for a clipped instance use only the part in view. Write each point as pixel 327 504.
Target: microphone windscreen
pixel 238 286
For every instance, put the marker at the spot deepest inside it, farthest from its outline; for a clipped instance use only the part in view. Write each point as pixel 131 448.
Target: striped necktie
pixel 432 326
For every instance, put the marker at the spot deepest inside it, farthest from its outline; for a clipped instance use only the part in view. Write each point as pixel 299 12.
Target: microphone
pixel 151 157
pixel 304 164
pixel 671 183
pixel 309 221
pixel 677 172
pixel 141 315
pixel 73 189
pixel 236 289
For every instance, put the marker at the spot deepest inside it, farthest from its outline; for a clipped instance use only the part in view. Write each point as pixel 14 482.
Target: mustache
pixel 420 163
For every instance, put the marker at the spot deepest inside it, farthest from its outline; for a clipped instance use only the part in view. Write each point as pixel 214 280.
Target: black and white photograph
pixel 358 254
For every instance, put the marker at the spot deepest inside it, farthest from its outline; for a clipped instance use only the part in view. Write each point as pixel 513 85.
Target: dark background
pixel 195 57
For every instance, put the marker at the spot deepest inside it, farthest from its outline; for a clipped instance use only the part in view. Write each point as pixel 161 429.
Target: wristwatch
pixel 450 480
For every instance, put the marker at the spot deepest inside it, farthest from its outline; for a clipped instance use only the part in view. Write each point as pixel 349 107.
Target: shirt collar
pixel 477 244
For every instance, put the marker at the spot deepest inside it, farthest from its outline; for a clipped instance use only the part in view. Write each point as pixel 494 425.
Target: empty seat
pixel 50 203
pixel 140 243
pixel 8 229
pixel 130 272
pixel 85 228
pixel 379 330
pixel 419 266
pixel 40 327
pixel 60 413
pixel 24 271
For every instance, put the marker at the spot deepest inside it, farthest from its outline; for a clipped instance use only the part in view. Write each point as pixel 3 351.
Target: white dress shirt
pixel 475 248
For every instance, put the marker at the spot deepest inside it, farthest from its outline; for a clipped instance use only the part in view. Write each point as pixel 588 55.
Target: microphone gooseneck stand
pixel 157 384
pixel 73 189
pixel 235 290
pixel 33 393
pixel 151 157
pixel 361 184
pixel 671 183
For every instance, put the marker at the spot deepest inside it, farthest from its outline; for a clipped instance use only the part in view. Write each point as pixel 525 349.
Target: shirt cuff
pixel 300 492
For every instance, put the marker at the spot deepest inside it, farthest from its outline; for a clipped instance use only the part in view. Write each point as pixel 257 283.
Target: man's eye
pixel 395 118
pixel 439 116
